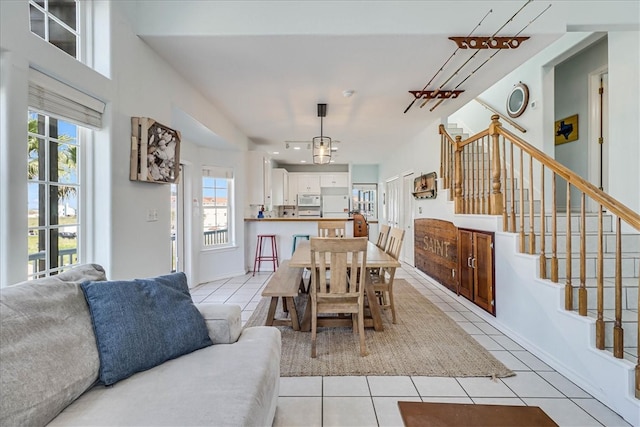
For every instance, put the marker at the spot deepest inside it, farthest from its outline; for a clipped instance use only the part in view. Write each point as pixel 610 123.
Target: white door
pixel 598 133
pixel 392 202
pixel 406 218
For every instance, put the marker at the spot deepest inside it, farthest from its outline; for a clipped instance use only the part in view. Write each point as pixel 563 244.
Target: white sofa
pixel 49 366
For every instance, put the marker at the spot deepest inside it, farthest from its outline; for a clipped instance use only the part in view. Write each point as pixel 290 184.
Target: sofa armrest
pixel 224 322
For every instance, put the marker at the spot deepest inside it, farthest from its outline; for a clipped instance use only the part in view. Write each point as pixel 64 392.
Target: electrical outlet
pixel 152 215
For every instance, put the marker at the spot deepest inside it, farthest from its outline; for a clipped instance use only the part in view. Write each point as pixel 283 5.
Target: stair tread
pixel 628 316
pixel 627 355
pixel 608 282
pixel 576 255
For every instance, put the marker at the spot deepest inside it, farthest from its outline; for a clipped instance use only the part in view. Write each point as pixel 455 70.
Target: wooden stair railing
pixel 480 174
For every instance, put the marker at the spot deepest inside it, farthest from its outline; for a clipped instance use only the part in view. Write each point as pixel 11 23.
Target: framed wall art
pixel 155 151
pixel 425 187
pixel 566 130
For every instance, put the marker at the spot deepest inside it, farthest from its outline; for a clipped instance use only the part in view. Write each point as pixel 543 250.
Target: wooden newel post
pixel 457 185
pixel 495 200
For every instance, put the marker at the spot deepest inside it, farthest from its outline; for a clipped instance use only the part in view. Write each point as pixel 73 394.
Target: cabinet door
pixel 285 188
pixel 465 260
pixel 268 203
pixel 293 189
pixel 279 187
pixel 334 180
pixel 309 184
pixel 483 271
pixel 341 180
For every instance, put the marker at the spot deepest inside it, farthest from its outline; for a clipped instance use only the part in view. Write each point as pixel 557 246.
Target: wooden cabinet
pixel 476 268
pixel 280 187
pixel 334 180
pixel 309 183
pixel 259 179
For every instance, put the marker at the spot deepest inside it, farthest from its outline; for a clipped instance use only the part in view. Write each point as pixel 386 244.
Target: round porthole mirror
pixel 517 100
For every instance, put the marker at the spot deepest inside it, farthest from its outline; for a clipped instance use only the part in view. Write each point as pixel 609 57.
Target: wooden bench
pixel 285 283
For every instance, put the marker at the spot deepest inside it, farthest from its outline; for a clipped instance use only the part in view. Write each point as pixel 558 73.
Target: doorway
pixel 580 94
pixel 177 224
pixel 406 218
pixel 599 132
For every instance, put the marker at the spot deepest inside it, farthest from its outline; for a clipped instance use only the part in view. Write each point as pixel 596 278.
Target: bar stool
pixel 273 257
pixel 295 240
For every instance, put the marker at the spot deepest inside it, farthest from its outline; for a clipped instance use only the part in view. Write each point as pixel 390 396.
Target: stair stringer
pixel 531 311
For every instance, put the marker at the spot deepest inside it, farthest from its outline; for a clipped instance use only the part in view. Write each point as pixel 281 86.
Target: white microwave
pixel 309 200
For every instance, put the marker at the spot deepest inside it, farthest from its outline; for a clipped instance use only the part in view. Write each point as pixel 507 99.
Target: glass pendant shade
pixel 321 150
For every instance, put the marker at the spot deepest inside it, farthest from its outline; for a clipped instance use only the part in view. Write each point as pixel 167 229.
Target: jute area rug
pixel 424 341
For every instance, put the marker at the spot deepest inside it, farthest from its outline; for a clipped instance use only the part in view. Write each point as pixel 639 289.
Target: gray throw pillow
pixel 48 354
pixel 142 323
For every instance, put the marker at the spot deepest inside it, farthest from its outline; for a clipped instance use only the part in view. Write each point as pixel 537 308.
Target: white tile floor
pixel 372 400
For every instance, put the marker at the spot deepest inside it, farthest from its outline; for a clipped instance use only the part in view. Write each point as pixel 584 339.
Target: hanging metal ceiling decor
pixel 488 42
pixel 478 43
pixel 321 144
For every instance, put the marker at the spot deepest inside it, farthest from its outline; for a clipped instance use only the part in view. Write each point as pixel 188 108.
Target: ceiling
pixel 266 64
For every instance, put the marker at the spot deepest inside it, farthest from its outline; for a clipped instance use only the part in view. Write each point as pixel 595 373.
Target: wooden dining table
pixel 376 258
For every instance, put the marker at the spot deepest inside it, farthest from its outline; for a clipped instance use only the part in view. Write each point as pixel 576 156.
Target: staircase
pixel 599 255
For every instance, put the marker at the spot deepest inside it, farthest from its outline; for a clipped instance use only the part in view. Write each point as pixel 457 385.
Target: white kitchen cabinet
pixel 309 183
pixel 259 178
pixel 334 180
pixel 293 188
pixel 280 187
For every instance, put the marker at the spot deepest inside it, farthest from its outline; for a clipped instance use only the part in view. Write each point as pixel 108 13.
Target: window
pixel 216 206
pixel 364 200
pixel 53 193
pixel 56 21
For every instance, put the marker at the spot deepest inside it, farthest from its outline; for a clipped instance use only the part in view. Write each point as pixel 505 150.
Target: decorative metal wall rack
pixel 425 186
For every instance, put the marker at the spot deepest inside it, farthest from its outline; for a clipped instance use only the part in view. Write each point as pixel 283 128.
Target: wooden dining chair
pixel 383 280
pixel 331 228
pixel 340 288
pixel 381 243
pixel 382 237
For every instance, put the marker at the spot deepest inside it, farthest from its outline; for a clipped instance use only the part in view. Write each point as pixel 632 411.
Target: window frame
pixel 48 140
pixel 218 173
pixel 357 202
pixel 77 32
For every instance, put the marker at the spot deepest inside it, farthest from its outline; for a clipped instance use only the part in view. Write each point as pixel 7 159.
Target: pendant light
pixel 321 144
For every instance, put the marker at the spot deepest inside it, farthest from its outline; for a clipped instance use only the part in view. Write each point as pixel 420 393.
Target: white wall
pixel 364 174
pixel 571 96
pixel 532 312
pixel 141 84
pixel 539 75
pixel 624 110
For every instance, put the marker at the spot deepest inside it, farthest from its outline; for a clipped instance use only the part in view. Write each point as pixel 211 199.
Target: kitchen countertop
pixel 297 219
pixel 300 219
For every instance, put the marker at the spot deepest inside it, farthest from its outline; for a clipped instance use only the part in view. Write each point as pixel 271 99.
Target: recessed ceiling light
pixel 303 161
pixel 348 93
pixel 276 152
pixel 296 148
pixel 334 148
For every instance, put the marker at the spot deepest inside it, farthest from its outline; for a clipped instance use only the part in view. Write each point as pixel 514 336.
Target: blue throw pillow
pixel 142 323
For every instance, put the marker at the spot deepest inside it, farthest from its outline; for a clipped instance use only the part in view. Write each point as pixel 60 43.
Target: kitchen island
pixel 284 229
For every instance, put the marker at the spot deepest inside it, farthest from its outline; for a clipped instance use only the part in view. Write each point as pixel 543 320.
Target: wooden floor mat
pixel 425 414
